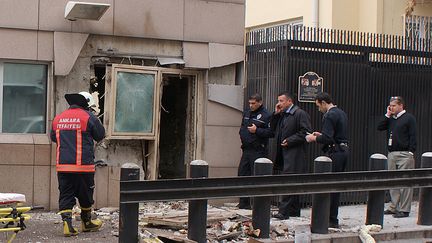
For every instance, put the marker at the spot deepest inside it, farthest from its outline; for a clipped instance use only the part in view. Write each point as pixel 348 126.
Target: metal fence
pixel 360 70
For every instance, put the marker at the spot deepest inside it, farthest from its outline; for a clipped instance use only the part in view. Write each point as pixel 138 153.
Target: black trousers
pixel 339 162
pixel 246 167
pixel 290 205
pixel 75 185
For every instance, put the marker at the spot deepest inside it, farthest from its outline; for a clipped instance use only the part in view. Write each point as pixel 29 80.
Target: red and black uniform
pixel 74 131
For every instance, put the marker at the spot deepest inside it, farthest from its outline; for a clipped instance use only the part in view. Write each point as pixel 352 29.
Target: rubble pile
pixel 225 224
pixel 167 222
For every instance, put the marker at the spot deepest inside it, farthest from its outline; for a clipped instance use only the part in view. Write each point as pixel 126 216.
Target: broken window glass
pixel 134 102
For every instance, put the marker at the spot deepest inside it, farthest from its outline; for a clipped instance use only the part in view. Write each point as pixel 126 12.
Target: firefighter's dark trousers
pixel 75 185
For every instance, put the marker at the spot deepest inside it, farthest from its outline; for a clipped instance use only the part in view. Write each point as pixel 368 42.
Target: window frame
pixel 48 106
pixel 112 134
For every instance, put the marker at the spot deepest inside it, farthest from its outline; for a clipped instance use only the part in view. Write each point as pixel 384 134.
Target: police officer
pixel 74 131
pixel 334 137
pixel 254 134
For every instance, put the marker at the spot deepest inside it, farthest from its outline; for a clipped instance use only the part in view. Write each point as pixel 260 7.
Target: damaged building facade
pixel 167 75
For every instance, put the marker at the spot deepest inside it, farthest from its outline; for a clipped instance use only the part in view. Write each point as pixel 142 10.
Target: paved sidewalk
pixel 351 218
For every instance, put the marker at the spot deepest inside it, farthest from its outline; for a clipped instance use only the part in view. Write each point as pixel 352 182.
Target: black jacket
pixel 293 127
pixel 259 139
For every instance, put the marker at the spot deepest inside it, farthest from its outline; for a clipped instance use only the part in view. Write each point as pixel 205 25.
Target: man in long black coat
pixel 291 125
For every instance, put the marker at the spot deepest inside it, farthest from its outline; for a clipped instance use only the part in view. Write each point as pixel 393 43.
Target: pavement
pixel 46 227
pixel 351 218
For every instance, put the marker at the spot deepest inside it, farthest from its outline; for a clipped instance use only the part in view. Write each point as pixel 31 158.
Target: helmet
pixel 89 98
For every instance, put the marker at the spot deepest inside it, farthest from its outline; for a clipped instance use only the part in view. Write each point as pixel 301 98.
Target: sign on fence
pixel 310 84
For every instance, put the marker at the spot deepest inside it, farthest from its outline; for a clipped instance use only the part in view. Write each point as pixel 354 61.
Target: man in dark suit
pixel 290 124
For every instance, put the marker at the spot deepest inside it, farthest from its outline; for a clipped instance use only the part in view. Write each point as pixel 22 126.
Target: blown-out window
pixel 23 92
pixel 134 97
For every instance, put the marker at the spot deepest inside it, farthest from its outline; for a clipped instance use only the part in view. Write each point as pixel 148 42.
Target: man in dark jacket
pixel 74 131
pixel 334 137
pixel 254 134
pixel 290 124
pixel 401 137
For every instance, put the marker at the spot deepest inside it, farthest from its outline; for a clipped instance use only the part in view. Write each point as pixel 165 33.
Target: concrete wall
pixel 371 15
pixel 325 13
pixel 376 16
pixel 263 12
pixel 26 44
pixel 345 14
pixel 222 147
pixel 192 20
pixel 25 166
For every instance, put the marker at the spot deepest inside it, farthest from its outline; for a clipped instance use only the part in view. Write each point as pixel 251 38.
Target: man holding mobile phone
pixel 254 134
pixel 290 124
pixel 401 145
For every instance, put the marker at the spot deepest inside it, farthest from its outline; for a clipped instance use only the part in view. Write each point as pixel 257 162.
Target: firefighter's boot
pixel 87 223
pixel 68 229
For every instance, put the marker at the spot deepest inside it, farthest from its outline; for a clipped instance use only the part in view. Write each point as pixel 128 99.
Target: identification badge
pixel 390 142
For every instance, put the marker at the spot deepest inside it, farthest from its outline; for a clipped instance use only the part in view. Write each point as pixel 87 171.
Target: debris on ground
pixel 224 224
pixel 364 235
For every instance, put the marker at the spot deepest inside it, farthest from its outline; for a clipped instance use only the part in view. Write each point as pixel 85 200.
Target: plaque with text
pixel 310 84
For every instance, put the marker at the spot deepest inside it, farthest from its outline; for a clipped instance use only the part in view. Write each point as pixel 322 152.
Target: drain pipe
pixel 315 13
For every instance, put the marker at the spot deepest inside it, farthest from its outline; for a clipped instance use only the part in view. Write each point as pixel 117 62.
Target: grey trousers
pixel 400 198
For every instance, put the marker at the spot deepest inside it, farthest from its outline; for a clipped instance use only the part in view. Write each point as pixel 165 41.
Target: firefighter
pixel 74 131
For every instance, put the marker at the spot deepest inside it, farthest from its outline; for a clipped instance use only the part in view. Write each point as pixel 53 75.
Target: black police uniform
pixel 254 145
pixel 335 139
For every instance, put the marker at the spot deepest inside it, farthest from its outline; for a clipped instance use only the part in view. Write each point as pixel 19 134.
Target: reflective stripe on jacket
pixel 73 131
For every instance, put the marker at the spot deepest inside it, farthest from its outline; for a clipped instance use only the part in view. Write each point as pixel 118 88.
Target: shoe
pixel 401 215
pixel 388 211
pixel 87 223
pixel 280 216
pixel 68 229
pixel 334 225
pixel 294 214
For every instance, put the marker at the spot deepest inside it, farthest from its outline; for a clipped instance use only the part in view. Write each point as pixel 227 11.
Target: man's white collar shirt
pixel 398 115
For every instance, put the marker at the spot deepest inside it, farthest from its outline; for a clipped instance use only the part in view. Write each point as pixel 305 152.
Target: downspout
pixel 315 13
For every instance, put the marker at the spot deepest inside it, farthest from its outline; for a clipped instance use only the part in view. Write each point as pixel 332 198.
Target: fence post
pixel 321 202
pixel 197 215
pixel 425 197
pixel 128 215
pixel 375 202
pixel 261 205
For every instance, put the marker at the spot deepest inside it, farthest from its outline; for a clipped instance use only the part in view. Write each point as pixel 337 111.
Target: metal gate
pixel 360 70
